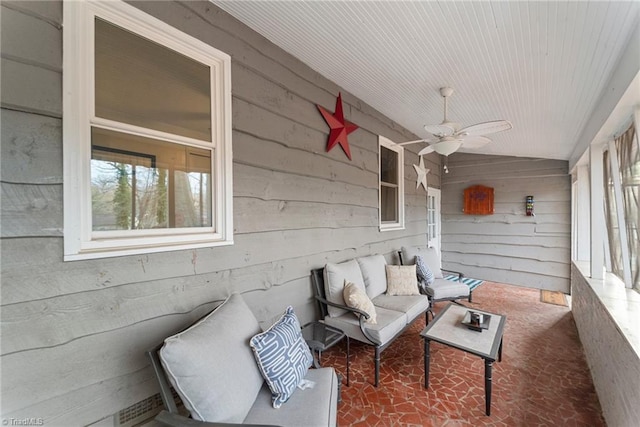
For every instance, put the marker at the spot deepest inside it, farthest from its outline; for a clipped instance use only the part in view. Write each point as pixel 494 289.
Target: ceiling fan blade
pixel 486 128
pixel 426 150
pixel 412 142
pixel 475 141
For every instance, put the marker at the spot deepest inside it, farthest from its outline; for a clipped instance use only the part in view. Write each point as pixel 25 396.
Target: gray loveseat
pixel 395 313
pixel 213 369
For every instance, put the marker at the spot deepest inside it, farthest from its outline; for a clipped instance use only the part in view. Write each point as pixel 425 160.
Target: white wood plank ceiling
pixel 541 65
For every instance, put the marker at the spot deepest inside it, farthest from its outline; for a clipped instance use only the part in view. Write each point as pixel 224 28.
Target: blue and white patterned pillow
pixel 283 356
pixel 423 271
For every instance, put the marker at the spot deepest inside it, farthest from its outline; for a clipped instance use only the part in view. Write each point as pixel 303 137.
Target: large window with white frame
pixel 391 185
pixel 147 135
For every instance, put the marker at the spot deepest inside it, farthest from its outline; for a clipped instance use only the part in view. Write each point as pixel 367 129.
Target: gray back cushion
pixel 211 365
pixel 430 256
pixel 374 274
pixel 334 277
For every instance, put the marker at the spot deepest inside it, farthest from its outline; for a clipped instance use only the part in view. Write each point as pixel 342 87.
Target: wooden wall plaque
pixel 478 200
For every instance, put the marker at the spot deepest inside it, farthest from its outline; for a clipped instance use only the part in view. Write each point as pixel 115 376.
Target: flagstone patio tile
pixel 542 380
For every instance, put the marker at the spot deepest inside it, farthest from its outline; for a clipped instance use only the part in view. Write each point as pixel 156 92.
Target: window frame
pixel 399 150
pixel 619 225
pixel 80 241
pixel 592 241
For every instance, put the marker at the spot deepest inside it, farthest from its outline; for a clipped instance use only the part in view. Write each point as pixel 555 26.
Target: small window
pixel 147 135
pixel 391 185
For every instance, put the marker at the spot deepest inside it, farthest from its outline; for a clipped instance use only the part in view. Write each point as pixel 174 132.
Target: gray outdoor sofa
pixel 213 369
pixel 395 313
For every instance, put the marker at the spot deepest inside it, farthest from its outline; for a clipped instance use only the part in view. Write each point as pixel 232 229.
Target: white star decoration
pixel 422 174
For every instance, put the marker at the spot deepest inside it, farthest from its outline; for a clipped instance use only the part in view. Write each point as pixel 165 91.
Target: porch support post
pixel 598 225
pixel 583 213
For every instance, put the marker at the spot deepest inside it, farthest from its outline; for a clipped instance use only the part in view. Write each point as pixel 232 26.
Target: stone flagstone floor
pixel 543 379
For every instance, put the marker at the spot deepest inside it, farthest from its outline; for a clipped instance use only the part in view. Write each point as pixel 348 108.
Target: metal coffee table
pixel 447 329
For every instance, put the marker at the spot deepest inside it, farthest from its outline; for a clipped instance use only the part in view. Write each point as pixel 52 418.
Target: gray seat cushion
pixel 413 305
pixel 312 407
pixel 390 322
pixel 446 289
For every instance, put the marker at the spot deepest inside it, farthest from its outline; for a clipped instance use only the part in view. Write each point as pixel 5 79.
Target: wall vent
pixel 143 411
pixel 139 412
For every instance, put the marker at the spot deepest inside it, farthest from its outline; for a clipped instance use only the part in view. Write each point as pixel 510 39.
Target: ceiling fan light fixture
pixel 447 147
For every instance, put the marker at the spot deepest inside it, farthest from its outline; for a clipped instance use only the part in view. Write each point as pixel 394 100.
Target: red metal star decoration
pixel 340 128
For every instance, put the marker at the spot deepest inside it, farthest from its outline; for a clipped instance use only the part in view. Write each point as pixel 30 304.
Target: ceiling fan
pixel 448 136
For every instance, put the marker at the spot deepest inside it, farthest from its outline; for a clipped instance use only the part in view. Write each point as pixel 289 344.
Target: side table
pixel 320 337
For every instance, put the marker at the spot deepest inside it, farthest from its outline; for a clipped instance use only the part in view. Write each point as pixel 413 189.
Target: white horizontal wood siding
pixel 612 360
pixel 74 333
pixel 508 246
